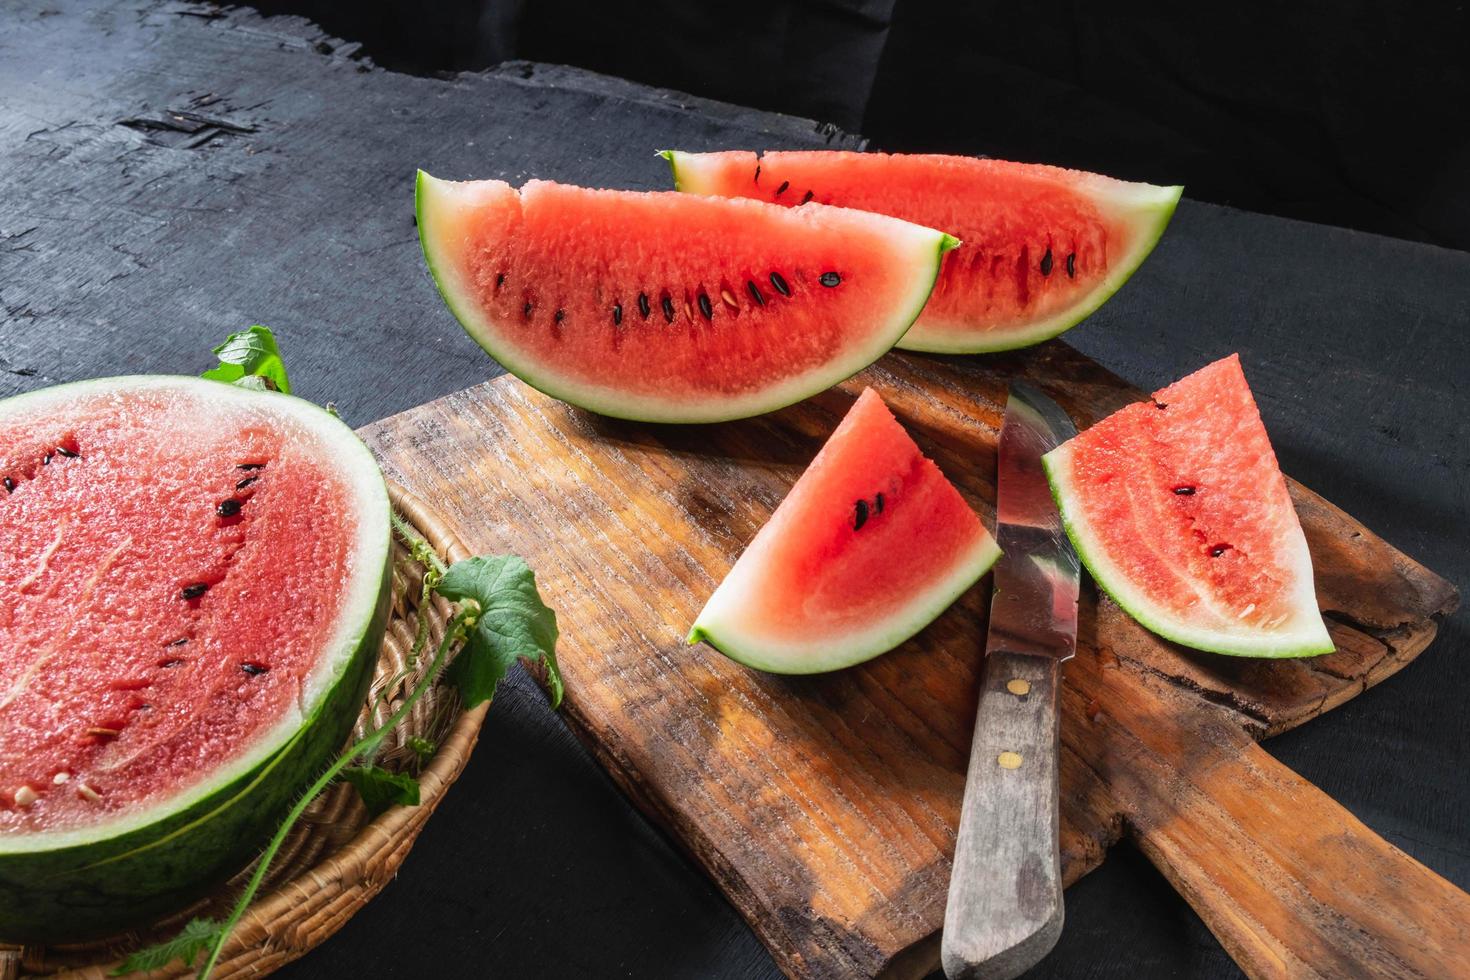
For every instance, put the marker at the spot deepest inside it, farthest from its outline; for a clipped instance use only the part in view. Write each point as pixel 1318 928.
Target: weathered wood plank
pixel 826 806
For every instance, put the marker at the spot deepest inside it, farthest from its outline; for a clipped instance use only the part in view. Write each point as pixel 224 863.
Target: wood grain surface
pixel 826 806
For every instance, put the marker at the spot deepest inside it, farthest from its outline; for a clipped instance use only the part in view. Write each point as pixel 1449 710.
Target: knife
pixel 1005 891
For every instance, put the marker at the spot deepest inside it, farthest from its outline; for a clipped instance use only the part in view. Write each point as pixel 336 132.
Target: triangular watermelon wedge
pixel 1180 512
pixel 870 545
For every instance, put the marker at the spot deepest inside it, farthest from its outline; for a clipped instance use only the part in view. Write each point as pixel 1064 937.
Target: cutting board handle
pixel 1291 883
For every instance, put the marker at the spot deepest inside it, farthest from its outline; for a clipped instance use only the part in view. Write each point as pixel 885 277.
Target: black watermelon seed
pixel 617 314
pixel 194 591
pixel 179 642
pixel 246 482
pixel 780 284
pixel 172 662
pixel 829 279
pixel 9 485
pixel 1219 550
pixel 526 309
pixel 46 459
pixel 809 195
pixel 500 280
pixel 68 453
pixel 253 669
pixel 1046 262
pixel 755 293
pixel 1184 491
pixel 643 304
pixel 1071 265
pixel 705 307
pixel 668 305
pixel 1161 405
pixel 228 508
pixel 560 316
pixel 782 189
pixel 861 517
pixel 879 502
pixel 757 173
pixel 250 466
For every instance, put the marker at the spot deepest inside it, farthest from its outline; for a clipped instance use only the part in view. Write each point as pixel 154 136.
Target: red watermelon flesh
pixel 1042 247
pixel 173 570
pixel 870 545
pixel 668 307
pixel 1179 510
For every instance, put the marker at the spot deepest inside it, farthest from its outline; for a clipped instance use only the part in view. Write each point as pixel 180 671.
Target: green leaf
pixel 192 940
pixel 251 359
pixel 512 623
pixel 381 789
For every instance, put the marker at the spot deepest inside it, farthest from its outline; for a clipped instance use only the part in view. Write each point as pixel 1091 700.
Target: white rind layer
pixel 1301 634
pixel 360 477
pixel 722 622
pixel 441 202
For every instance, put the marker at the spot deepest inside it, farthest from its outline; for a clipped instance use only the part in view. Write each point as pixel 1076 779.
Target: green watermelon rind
pixel 848 650
pixel 1147 207
pixel 1311 640
pixel 701 408
pixel 82 889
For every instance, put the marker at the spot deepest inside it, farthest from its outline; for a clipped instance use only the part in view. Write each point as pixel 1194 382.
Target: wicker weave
pixel 335 860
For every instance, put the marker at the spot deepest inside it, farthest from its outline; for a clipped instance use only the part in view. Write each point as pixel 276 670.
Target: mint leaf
pixel 194 939
pixel 251 359
pixel 381 789
pixel 512 624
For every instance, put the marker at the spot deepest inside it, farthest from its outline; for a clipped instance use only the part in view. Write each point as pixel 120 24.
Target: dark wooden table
pixel 170 172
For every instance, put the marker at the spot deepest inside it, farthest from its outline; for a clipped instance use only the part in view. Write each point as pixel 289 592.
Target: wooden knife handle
pixel 1292 884
pixel 1005 892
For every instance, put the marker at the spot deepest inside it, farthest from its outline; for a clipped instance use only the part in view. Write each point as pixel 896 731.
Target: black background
pixel 1348 112
pixel 128 250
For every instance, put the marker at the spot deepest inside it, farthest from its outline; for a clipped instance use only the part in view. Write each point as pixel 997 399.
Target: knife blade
pixel 1005 894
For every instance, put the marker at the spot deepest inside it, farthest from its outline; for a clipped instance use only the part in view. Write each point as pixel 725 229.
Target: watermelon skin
pixel 1043 247
pixel 825 585
pixel 660 307
pixel 1256 597
pixel 116 881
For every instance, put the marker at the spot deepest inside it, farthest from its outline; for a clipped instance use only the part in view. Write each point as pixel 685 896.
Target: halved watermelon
pixel 193 588
pixel 870 545
pixel 1179 511
pixel 670 308
pixel 1042 247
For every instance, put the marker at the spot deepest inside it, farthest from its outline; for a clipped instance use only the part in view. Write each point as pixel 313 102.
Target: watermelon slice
pixel 870 545
pixel 193 588
pixel 1179 511
pixel 671 308
pixel 1043 247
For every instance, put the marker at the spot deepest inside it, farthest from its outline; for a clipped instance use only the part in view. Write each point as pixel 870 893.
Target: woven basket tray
pixel 336 859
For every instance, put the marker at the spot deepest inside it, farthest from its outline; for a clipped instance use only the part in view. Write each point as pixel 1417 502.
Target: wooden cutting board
pixel 826 806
